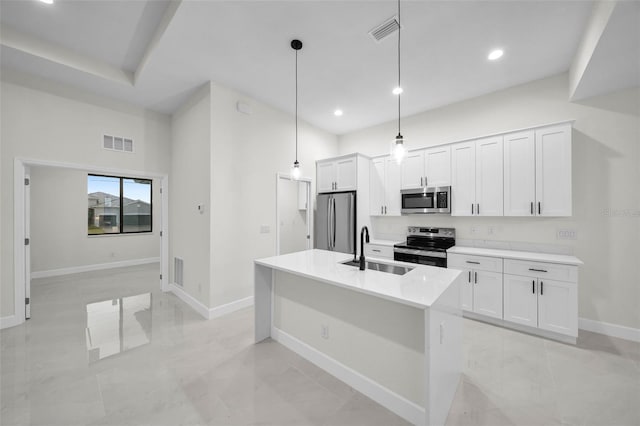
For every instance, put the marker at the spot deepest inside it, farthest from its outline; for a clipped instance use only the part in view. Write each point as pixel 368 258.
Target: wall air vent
pixel 385 29
pixel 117 143
pixel 178 270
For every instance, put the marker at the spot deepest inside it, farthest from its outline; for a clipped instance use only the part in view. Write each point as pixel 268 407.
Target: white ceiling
pixel 245 45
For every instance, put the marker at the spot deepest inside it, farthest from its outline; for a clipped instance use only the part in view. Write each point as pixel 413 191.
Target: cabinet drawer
pixel 378 250
pixel 554 271
pixel 480 263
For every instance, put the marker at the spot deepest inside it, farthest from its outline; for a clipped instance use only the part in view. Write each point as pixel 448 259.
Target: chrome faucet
pixel 364 233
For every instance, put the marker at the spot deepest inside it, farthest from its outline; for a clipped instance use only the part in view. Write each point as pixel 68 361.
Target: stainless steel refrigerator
pixel 335 224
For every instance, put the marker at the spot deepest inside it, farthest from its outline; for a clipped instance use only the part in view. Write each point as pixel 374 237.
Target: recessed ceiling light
pixel 397 90
pixel 47 1
pixel 495 54
pixel 337 112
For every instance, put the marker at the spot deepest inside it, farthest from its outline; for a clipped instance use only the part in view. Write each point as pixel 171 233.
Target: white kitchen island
pixel 395 338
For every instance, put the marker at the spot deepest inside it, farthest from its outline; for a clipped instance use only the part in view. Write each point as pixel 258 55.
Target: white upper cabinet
pixel 553 171
pixel 384 187
pixel 413 170
pixel 337 175
pixel 476 178
pixel 463 179
pixel 437 166
pixel 519 174
pixel 427 167
pixel 537 172
pixel 489 177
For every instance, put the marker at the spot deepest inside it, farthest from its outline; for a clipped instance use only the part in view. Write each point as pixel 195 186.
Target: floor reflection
pixel 118 325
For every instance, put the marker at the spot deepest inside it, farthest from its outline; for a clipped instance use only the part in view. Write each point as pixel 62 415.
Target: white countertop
pixel 419 288
pixel 517 255
pixel 383 242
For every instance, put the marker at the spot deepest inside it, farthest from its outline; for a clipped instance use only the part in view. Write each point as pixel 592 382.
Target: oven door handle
pixel 420 252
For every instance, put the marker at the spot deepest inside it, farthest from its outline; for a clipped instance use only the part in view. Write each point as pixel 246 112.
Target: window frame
pixel 121 215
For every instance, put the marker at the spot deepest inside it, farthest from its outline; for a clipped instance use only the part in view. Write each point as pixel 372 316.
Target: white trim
pixel 608 329
pixel 95 267
pixel 398 404
pixel 10 321
pixel 197 306
pixel 228 308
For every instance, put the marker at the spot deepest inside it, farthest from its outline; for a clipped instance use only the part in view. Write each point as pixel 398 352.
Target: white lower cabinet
pixel 538 295
pixel 482 292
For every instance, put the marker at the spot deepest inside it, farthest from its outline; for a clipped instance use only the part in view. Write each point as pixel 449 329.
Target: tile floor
pixel 108 348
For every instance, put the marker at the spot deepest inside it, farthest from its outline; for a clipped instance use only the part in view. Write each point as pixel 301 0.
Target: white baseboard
pixel 9 321
pixel 204 311
pixel 197 306
pixel 228 308
pixel 608 329
pixel 96 267
pixel 401 406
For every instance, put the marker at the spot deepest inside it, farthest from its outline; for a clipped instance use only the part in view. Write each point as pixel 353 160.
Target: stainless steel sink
pixel 382 267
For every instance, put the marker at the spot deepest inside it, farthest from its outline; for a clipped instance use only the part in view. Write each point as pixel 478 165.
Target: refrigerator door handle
pixel 334 223
pixel 351 221
pixel 329 223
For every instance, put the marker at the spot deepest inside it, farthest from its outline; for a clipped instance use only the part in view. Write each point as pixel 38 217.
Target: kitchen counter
pixel 387 243
pixel 395 338
pixel 517 255
pixel 419 288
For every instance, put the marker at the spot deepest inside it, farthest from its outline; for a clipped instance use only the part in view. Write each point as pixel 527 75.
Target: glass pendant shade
pixel 295 171
pixel 398 150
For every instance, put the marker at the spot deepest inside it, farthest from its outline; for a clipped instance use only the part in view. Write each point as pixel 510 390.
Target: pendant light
pixel 398 150
pixel 295 170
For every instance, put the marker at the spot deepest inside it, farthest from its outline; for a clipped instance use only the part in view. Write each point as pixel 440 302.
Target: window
pixel 118 205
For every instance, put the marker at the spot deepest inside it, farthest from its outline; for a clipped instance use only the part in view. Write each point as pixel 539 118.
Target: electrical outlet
pixel 199 288
pixel 491 230
pixel 264 229
pixel 567 234
pixel 441 332
pixel 324 331
pixel 473 230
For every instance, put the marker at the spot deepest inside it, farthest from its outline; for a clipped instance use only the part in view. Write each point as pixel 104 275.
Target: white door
pixel 463 179
pixel 346 174
pixel 27 247
pixel 553 171
pixel 521 300
pixel 376 189
pixel 413 170
pixel 487 293
pixel 326 176
pixel 392 204
pixel 437 166
pixel 467 290
pixel 489 181
pixel 558 306
pixel 519 174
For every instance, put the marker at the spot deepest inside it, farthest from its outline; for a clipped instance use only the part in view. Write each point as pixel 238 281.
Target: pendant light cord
pixel 399 67
pixel 296 106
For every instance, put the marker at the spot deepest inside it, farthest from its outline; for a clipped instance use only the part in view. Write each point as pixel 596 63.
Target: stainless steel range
pixel 426 246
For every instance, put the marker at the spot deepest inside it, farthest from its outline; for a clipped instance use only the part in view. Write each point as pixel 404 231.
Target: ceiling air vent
pixel 385 29
pixel 117 143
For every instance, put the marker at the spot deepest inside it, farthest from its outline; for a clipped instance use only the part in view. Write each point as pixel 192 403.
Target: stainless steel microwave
pixel 426 200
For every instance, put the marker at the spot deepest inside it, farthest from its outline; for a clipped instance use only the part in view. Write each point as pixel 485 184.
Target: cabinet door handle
pixel 533 286
pixel 478 208
pixel 377 251
pixel 421 181
pixel 381 210
pixel 541 288
pixel 471 208
pixel 537 270
pixel 476 280
pixel 539 208
pixel 475 263
pixel 385 209
pixel 532 208
pixel 426 182
pixel 469 277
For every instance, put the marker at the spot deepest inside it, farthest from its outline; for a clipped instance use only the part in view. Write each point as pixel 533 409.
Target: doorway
pixel 293 214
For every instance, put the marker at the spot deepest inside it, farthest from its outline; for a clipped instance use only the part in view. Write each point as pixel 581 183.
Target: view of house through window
pixel 118 205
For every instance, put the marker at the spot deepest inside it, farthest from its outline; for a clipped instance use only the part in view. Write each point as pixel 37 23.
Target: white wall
pixel 247 152
pixel 189 185
pixel 606 173
pixel 53 122
pixel 59 225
